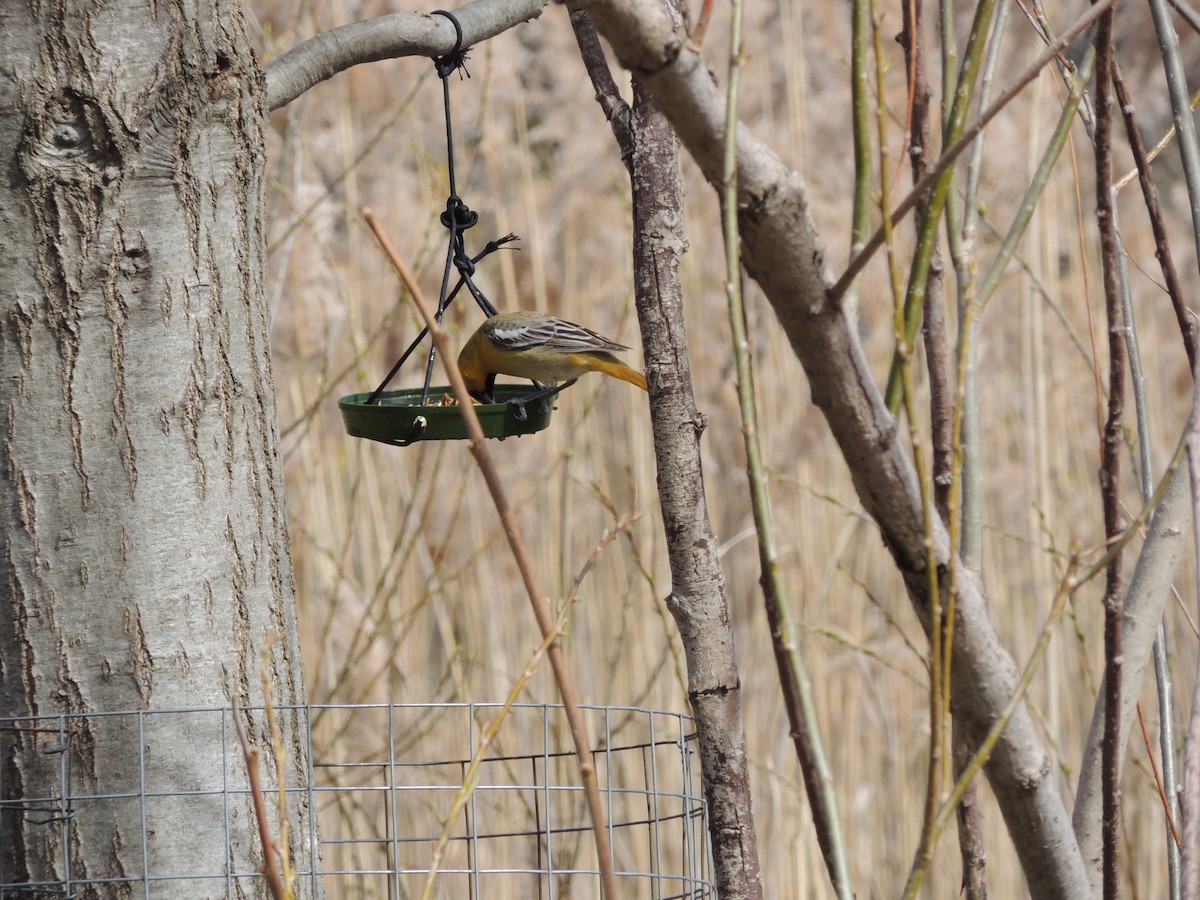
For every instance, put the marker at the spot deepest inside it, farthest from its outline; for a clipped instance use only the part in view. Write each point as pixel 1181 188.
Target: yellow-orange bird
pixel 542 348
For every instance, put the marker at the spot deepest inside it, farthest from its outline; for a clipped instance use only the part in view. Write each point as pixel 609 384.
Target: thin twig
pixel 250 754
pixel 1162 144
pixel 697 35
pixel 541 606
pixel 963 489
pixel 937 681
pixel 1110 456
pixel 470 777
pixel 860 96
pixel 955 150
pixel 282 846
pixel 1162 674
pixel 1162 247
pixel 1114 547
pixel 1181 113
pixel 966 476
pixel 1168 812
pixel 984 753
pixel 1033 193
pixel 941 400
pixel 785 638
pixel 934 204
pixel 1190 801
pixel 910 39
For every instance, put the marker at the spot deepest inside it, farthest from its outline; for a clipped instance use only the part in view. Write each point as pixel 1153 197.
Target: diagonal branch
pixel 388 37
pixel 951 153
pixel 1110 457
pixel 783 252
pixel 542 610
pixel 698 601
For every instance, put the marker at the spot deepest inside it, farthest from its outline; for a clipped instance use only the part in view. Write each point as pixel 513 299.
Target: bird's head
pixel 474 372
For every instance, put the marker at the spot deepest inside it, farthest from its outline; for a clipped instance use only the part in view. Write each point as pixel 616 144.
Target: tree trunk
pixel 697 600
pixel 782 251
pixel 145 562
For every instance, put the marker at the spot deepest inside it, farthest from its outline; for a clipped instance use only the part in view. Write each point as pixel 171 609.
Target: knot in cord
pixel 456 58
pixel 458 217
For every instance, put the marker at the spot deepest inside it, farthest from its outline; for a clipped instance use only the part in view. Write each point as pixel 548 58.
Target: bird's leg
pixel 543 394
pixel 548 393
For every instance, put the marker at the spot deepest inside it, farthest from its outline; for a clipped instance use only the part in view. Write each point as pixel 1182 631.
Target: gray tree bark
pixel 145 561
pixel 1145 601
pixel 782 251
pixel 387 37
pixel 698 600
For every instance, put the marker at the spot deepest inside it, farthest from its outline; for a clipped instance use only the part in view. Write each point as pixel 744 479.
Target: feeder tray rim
pixel 398 417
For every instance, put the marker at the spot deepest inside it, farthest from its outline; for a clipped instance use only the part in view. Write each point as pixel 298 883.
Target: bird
pixel 542 348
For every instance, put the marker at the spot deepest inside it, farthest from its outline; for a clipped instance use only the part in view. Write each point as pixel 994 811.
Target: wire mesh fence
pixel 382 780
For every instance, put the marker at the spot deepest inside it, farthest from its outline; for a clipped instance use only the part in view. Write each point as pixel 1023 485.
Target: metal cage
pixel 382 779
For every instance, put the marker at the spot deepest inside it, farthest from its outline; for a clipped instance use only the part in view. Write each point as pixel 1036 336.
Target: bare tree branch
pixel 1145 599
pixel 1110 456
pixel 951 153
pixel 388 37
pixel 698 600
pixel 1190 798
pixel 1162 248
pixel 782 251
pixel 542 609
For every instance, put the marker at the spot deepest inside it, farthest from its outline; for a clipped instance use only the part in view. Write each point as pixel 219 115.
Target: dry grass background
pixel 407 591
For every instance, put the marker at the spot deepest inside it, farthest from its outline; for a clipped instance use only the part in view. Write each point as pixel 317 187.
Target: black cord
pixel 456 58
pixel 457 218
pixel 492 247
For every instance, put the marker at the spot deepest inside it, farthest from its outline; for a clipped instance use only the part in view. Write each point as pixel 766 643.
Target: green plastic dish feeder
pixel 398 418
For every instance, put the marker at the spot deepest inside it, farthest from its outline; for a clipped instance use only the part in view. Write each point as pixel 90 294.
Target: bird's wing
pixel 545 331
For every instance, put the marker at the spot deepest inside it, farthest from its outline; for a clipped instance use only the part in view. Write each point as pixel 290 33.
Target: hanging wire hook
pixel 457 57
pixel 457 218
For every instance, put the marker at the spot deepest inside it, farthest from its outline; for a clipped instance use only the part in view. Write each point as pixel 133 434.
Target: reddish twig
pixel 1158 782
pixel 541 606
pixel 697 35
pixel 955 150
pixel 1110 456
pixel 250 753
pixel 1162 248
pixel 937 360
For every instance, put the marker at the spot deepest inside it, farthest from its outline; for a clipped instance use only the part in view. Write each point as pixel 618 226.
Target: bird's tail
pixel 610 365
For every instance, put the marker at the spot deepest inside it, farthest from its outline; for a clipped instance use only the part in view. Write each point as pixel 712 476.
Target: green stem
pixel 983 754
pixel 794 681
pixel 928 228
pixel 860 104
pixel 938 725
pixel 1037 185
